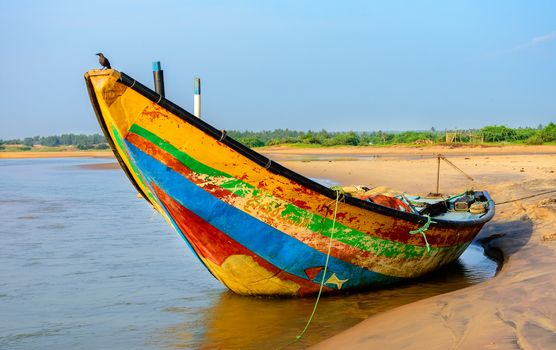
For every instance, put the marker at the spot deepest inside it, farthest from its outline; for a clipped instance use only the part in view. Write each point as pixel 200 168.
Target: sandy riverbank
pixel 413 150
pixel 516 309
pixel 286 152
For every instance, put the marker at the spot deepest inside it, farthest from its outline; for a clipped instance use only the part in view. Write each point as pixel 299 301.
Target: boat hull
pixel 259 228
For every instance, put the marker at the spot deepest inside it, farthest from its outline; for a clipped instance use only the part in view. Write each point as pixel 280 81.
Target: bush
pixel 344 138
pixel 311 139
pixel 535 140
pixel 548 134
pixel 251 141
pixel 84 147
pixel 498 133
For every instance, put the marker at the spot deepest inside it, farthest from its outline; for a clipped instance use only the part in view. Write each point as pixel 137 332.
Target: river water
pixel 85 264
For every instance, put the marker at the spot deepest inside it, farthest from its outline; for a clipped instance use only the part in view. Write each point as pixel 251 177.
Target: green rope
pixel 298 338
pixel 456 196
pixel 422 231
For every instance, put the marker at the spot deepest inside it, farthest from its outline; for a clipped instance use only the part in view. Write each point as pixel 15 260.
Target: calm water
pixel 84 264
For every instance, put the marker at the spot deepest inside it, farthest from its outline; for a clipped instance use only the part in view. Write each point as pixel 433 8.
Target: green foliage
pixel 531 136
pixel 251 141
pixel 491 133
pixel 548 134
pixel 498 133
pixel 536 139
pixel 542 135
pixel 525 133
pixel 84 147
pixel 343 139
pixel 61 140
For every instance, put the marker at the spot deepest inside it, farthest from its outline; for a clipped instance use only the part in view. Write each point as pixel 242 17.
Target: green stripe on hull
pixel 292 213
pixel 118 139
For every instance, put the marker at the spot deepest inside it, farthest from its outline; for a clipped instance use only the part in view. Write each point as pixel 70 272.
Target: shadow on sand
pixel 502 239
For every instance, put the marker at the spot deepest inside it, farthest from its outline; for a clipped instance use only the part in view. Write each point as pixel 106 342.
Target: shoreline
pixel 516 308
pixel 286 152
pixel 57 154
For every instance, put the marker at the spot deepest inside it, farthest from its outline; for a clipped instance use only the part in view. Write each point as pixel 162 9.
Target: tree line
pixel 81 141
pixel 490 134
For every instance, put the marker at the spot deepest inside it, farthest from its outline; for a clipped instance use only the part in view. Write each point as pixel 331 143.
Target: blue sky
pixel 350 65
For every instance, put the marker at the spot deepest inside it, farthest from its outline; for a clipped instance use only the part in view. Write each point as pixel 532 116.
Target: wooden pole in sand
pixel 438 174
pixel 441 156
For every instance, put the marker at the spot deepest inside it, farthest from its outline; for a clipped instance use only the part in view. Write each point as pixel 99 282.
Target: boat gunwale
pixel 104 128
pixel 267 163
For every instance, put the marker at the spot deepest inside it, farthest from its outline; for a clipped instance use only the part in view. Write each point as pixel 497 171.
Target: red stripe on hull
pixel 339 250
pixel 174 164
pixel 215 245
pixel 398 234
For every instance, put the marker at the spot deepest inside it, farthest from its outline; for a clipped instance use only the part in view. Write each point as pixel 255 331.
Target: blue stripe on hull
pixel 278 248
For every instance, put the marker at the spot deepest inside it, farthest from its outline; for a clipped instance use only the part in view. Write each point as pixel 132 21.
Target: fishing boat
pixel 260 228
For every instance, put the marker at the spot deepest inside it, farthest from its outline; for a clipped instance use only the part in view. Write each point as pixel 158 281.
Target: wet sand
pixel 516 309
pixel 101 166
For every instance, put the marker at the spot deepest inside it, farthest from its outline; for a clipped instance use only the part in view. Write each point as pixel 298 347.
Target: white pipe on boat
pixel 197 98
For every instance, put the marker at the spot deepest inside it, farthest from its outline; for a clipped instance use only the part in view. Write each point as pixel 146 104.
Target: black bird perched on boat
pixel 103 61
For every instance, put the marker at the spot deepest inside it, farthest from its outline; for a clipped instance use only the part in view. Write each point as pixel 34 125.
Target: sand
pixel 517 308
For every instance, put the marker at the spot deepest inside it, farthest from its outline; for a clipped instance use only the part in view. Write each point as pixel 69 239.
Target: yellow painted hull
pixel 258 227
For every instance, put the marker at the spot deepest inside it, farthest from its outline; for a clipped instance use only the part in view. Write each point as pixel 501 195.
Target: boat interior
pixel 469 205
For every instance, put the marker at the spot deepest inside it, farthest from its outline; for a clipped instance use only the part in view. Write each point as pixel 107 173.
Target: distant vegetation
pixel 79 141
pixel 489 134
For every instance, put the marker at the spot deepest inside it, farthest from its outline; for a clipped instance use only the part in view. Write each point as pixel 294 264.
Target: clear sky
pixel 337 65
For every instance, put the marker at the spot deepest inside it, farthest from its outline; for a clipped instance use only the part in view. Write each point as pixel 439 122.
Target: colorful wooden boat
pixel 258 227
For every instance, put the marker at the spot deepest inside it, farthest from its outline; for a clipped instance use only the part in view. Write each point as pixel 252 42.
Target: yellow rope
pixel 298 338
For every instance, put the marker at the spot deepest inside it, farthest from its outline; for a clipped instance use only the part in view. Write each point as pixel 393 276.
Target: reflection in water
pixel 86 264
pixel 246 322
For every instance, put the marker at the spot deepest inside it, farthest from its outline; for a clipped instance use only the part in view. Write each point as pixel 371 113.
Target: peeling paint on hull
pixel 258 228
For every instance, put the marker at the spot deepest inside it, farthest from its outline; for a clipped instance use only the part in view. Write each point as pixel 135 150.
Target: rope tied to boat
pixel 339 195
pixel 223 136
pixel 526 197
pixel 268 164
pixel 421 230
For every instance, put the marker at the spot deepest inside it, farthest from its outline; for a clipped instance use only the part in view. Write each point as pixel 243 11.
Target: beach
pixel 515 309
